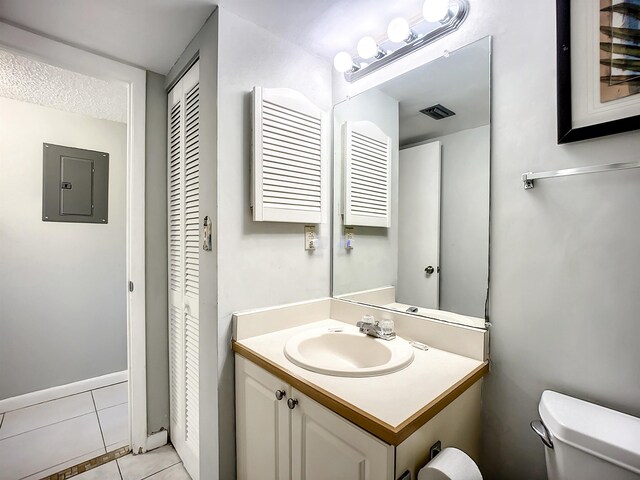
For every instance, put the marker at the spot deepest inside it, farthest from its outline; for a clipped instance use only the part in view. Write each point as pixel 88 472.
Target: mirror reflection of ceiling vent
pixel 437 112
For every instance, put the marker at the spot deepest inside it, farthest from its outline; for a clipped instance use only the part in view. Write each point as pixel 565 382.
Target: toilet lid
pixel 605 433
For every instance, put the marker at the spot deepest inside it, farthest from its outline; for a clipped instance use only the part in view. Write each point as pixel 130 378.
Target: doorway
pixel 131 381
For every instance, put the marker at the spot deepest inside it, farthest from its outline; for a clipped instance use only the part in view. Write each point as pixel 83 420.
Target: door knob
pixel 280 394
pixel 291 403
pixel 429 270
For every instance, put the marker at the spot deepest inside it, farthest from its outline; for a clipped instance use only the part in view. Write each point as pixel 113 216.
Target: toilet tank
pixel 589 441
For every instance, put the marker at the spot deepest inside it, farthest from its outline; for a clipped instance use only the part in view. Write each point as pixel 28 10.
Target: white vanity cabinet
pixel 324 445
pixel 263 424
pixel 296 438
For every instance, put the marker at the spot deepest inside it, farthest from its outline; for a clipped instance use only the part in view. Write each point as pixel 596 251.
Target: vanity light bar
pixel 457 14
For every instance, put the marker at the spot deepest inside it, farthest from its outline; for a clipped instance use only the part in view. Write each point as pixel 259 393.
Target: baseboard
pixel 157 440
pixel 33 398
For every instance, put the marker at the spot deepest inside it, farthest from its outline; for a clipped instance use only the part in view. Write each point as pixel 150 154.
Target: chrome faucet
pixel 374 329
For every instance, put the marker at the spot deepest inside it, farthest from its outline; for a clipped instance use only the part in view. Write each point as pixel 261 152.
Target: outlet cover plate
pixel 310 237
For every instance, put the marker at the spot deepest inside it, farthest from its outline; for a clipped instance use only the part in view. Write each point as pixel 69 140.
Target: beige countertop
pixel 390 406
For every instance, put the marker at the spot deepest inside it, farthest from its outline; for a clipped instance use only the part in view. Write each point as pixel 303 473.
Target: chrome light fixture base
pixel 412 37
pixel 381 54
pixel 458 12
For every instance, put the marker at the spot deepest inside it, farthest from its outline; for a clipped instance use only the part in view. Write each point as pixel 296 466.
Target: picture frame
pixel 568 129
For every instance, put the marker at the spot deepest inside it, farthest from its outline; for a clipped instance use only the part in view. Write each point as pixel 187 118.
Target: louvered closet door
pixel 184 247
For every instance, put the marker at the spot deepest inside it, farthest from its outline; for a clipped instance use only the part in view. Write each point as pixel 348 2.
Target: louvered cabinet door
pixel 367 155
pixel 184 266
pixel 289 157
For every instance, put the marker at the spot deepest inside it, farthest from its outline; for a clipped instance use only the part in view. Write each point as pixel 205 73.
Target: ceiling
pixel 324 27
pixel 461 82
pixel 153 33
pixel 35 82
pixel 147 33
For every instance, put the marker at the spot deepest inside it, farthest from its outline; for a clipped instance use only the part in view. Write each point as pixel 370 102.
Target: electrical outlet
pixel 310 237
pixel 349 238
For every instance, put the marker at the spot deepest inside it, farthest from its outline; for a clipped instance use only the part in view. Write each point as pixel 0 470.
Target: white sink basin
pixel 345 352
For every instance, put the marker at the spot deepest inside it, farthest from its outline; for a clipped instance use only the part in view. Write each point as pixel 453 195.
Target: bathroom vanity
pixel 410 243
pixel 292 422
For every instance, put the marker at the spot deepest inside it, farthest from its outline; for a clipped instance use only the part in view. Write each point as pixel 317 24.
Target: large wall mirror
pixel 411 190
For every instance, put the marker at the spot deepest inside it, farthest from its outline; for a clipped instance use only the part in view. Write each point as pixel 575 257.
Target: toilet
pixel 584 441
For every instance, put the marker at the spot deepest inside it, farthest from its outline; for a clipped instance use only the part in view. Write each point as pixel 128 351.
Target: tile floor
pixel 43 439
pixel 160 464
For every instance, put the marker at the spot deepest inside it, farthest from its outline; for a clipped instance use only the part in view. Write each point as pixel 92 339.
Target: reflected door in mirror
pixel 419 226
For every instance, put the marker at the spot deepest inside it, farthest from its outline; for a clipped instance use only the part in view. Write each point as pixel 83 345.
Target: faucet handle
pixel 368 320
pixel 387 326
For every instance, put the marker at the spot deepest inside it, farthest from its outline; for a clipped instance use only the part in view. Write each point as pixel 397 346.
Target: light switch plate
pixel 310 237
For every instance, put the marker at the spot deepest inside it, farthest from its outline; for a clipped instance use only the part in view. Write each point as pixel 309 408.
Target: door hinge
pixel 130 286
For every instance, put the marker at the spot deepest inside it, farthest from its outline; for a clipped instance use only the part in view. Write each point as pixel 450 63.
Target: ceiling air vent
pixel 437 112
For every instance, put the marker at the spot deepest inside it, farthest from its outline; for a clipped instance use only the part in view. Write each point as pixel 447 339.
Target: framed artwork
pixel 598 61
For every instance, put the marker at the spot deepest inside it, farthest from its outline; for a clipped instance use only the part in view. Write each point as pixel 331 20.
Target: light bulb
pixel 398 30
pixel 343 62
pixel 435 10
pixel 367 47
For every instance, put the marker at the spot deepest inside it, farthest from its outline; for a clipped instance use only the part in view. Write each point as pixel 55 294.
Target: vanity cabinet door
pixel 262 424
pixel 326 446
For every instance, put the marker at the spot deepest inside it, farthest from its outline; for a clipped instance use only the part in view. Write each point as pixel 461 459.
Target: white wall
pixel 63 285
pixel 373 263
pixel 464 221
pixel 564 256
pixel 260 263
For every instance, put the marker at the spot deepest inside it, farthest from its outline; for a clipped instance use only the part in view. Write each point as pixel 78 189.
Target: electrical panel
pixel 75 186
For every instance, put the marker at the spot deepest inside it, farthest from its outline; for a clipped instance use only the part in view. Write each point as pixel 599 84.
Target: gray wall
pixel 564 256
pixel 373 263
pixel 565 268
pixel 464 221
pixel 156 255
pixel 63 285
pixel 205 46
pixel 260 263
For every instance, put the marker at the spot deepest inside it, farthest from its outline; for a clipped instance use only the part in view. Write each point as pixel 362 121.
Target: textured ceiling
pixel 30 81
